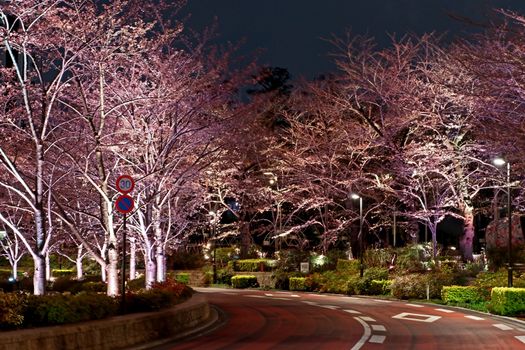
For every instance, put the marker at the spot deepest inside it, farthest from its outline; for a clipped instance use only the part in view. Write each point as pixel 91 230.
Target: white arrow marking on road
pixel 502 326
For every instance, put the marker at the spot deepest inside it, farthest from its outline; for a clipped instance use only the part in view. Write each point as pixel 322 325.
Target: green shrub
pixel 297 283
pixel 376 273
pixel 289 260
pixel 244 281
pixel 414 286
pixel 379 287
pixel 224 276
pixel 508 301
pixel 252 265
pixel 184 260
pixel 463 294
pixel 148 300
pixel 499 278
pixel 334 282
pixel 183 277
pixel 63 273
pixel 378 257
pixel 11 309
pixel 137 283
pixel 349 267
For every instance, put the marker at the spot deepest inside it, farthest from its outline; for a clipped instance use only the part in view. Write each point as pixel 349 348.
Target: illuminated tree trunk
pixel 132 258
pixel 466 241
pixel 78 262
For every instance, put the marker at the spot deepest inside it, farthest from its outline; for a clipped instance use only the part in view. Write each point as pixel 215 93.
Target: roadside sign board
pixel 124 204
pixel 125 184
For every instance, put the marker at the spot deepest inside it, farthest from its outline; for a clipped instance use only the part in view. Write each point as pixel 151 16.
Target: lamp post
pixel 501 162
pixel 213 223
pixel 361 266
pixel 273 181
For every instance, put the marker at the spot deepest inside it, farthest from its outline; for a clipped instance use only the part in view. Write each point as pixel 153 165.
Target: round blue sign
pixel 124 204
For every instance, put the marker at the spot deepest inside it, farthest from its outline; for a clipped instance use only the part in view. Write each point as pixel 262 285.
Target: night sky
pixel 291 31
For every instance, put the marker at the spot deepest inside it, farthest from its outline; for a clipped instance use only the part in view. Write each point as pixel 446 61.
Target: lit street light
pixel 361 266
pixel 501 162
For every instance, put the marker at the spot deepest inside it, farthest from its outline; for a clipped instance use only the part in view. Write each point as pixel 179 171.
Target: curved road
pixel 254 319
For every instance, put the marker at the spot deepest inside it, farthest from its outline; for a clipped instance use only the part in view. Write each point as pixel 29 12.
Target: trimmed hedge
pixel 379 287
pixel 183 277
pixel 252 265
pixel 244 281
pixel 461 294
pixel 297 283
pixel 508 301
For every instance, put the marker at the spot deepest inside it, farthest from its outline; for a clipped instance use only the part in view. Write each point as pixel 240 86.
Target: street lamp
pixel 501 162
pixel 273 181
pixel 213 223
pixel 361 266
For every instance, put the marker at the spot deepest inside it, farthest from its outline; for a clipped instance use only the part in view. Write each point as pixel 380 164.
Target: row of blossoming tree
pixel 90 92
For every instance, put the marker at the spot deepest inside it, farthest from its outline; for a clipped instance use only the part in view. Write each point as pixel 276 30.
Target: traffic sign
pixel 125 184
pixel 124 204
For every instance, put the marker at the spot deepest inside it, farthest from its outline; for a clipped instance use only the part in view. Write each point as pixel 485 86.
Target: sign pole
pixel 123 294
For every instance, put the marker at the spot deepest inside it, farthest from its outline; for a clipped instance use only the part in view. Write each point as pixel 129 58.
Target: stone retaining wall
pixel 118 332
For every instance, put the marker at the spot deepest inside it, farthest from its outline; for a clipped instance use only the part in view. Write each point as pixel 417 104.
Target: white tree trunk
pixel 48 267
pixel 78 262
pixel 150 272
pixel 39 277
pixel 466 242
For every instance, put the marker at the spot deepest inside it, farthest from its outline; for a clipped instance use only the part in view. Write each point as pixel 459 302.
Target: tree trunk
pixel 245 239
pixel 150 270
pixel 14 268
pixel 48 267
pixel 466 242
pixel 112 269
pixel 78 261
pixel 159 244
pixel 39 278
pixel 103 273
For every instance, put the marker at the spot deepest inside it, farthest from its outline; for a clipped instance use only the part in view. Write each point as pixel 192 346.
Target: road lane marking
pixel 278 298
pixel 382 301
pixel 475 318
pixel 502 326
pixel 368 319
pixel 414 305
pixel 378 327
pixel 295 296
pixel 351 311
pixel 379 339
pixel 521 338
pixel 310 302
pixel 444 310
pixel 255 296
pixel 365 336
pixel 268 294
pixel 332 307
pixel 422 318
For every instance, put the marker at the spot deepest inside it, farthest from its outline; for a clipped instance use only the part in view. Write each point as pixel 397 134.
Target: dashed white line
pixel 352 311
pixel 378 327
pixel 332 307
pixel 268 294
pixel 295 296
pixel 309 302
pixel 382 301
pixel 521 338
pixel 414 305
pixel 475 318
pixel 365 336
pixel 368 319
pixel 379 339
pixel 502 326
pixel 255 296
pixel 444 310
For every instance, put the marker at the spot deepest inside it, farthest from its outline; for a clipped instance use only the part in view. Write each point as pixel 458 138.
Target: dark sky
pixel 291 31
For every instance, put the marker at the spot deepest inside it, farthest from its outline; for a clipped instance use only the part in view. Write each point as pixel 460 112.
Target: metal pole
pixel 123 292
pixel 509 215
pixel 214 254
pixel 361 266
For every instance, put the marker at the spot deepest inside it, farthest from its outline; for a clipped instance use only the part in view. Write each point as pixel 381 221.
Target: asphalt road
pixel 253 319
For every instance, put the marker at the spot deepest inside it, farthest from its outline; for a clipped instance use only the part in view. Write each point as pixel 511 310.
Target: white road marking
pixel 475 318
pixel 309 302
pixel 521 338
pixel 295 296
pixel 278 298
pixel 268 294
pixel 379 339
pixel 354 298
pixel 414 305
pixel 378 327
pixel 367 319
pixel 364 337
pixel 502 326
pixel 333 307
pixel 382 301
pixel 352 311
pixel 444 310
pixel 255 296
pixel 423 318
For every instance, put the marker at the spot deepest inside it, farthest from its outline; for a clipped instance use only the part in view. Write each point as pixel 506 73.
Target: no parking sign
pixel 124 203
